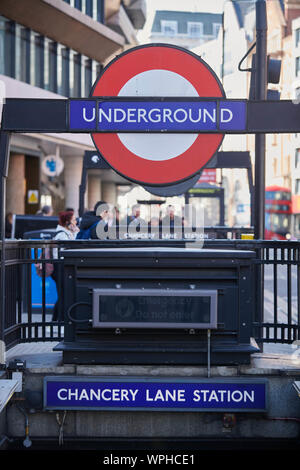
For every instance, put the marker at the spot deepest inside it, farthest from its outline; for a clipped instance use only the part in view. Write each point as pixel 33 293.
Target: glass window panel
pixel 297 66
pixel 169 28
pixel 46 64
pixel 2 44
pixel 89 8
pixel 9 51
pixel 22 55
pixel 87 77
pixel 53 66
pixel 77 75
pixel 39 61
pixel 65 72
pixel 195 30
pixel 78 4
pixel 297 37
pixel 100 11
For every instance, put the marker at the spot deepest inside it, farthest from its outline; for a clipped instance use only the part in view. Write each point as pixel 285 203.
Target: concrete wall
pixel 283 403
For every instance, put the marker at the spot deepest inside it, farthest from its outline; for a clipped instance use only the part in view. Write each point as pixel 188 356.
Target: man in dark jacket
pixel 90 220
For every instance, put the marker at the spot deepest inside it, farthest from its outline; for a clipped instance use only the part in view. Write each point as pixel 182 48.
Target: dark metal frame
pixel 29 115
pixel 138 292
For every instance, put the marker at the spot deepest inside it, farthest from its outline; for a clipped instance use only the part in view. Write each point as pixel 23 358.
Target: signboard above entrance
pixel 157 116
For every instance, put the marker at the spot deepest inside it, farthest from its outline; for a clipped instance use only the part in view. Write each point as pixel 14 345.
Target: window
pixel 89 8
pixel 87 77
pixel 39 47
pixel 297 186
pixel 216 29
pixel 77 75
pixel 169 28
pixel 195 30
pixel 52 67
pixel 22 54
pixel 297 37
pixel 7 47
pixel 297 158
pixel 78 4
pixel 100 11
pixel 63 71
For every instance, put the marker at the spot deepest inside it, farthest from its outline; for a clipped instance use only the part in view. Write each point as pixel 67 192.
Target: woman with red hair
pixel 67 228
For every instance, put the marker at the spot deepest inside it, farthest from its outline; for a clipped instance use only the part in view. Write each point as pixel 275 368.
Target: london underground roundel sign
pixel 158 70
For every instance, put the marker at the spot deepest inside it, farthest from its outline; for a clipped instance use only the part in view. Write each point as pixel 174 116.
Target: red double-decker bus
pixel 278 212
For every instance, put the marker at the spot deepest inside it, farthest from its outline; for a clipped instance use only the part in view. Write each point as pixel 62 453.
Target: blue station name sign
pixel 157 115
pixel 111 393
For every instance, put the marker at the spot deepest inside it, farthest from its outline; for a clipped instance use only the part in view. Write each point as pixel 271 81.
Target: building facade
pixel 184 28
pixel 56 49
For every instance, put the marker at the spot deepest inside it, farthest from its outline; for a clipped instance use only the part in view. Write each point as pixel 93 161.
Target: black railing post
pixel 4 158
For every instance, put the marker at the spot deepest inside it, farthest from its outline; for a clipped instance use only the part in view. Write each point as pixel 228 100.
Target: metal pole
pixel 260 139
pixel 4 158
pixel 260 153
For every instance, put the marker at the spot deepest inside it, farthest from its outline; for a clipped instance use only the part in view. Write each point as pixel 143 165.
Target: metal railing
pixel 277 318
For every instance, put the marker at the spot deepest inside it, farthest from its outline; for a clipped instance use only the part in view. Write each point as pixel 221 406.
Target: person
pixel 66 230
pixel 135 213
pixel 90 220
pixel 8 225
pixel 45 210
pixel 135 216
pixel 170 219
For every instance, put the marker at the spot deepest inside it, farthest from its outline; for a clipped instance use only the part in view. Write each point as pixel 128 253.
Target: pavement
pixel 40 357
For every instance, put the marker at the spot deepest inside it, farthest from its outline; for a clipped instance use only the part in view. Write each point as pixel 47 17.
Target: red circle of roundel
pixel 117 74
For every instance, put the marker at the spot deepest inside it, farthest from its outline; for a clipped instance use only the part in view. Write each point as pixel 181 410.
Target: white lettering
pixel 85 118
pixel 95 394
pixel 213 396
pixel 167 115
pixel 84 395
pixel 240 395
pixel 73 394
pixel 222 392
pixel 130 115
pixel 157 116
pixel 60 392
pixel 191 115
pixel 107 116
pixel 211 117
pixel 167 395
pixel 180 110
pixel 106 390
pixel 119 110
pixel 142 115
pixel 223 111
pixel 204 392
pixel 133 393
pixel 249 396
pixel 181 396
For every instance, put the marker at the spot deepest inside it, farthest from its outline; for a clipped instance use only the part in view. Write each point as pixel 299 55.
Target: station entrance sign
pixel 157 97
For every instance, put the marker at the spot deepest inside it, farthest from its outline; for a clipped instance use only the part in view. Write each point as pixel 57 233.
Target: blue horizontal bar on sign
pixel 154 394
pixel 157 116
